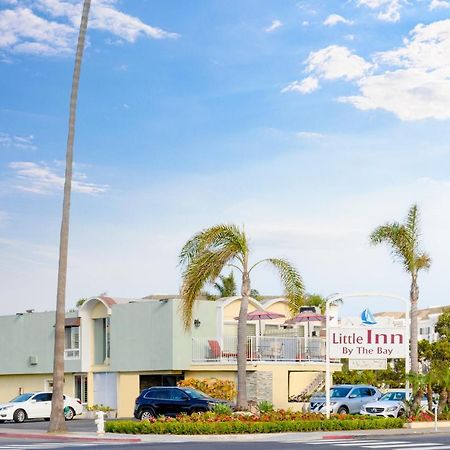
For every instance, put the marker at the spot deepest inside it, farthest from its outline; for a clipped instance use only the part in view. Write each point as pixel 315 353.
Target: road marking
pixel 436 447
pixel 410 444
pixel 373 444
pixel 341 441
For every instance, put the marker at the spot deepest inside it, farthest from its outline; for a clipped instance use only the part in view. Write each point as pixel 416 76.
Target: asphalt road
pixel 428 441
pixel 87 425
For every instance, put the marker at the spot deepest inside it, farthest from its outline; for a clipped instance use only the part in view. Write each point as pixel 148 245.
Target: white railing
pixel 259 348
pixel 72 353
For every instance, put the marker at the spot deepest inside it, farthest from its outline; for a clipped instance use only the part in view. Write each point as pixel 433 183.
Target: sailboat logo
pixel 367 318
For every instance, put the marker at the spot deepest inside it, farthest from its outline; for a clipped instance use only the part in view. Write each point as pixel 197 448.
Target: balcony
pixel 72 353
pixel 270 349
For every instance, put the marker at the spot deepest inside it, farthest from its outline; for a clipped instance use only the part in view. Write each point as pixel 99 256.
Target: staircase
pixel 316 384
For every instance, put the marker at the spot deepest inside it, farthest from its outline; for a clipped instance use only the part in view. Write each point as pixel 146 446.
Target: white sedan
pixel 37 405
pixel 391 404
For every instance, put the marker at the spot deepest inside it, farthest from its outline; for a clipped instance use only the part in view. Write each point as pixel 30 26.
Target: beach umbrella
pixel 306 316
pixel 261 314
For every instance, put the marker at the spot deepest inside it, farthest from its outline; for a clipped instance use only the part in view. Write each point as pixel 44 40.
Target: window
pixel 43 397
pixel 162 394
pixel 72 343
pixel 176 394
pixel 81 388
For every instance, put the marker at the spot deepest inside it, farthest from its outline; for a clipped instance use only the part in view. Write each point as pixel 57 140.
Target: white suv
pixel 37 405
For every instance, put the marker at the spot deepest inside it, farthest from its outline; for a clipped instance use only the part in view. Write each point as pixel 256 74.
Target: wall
pixel 127 391
pixel 10 384
pixel 29 335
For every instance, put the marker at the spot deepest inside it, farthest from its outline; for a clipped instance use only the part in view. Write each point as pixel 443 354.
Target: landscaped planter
pixel 427 425
pixel 228 426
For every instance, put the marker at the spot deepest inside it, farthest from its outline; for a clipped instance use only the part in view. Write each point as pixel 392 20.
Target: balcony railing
pixel 72 353
pixel 259 348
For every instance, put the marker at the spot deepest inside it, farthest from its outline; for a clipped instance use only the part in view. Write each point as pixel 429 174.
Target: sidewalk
pixel 156 438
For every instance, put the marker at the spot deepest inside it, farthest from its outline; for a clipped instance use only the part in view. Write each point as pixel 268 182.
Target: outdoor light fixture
pixel 29 311
pixel 19 314
pixel 197 323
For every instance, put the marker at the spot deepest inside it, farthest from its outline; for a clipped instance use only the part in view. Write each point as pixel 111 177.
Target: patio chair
pixel 276 350
pixel 216 351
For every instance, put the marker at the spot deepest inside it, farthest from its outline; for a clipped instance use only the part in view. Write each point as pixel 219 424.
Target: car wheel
pixel 47 419
pixel 69 413
pixel 147 414
pixel 2 421
pixel 19 416
pixel 199 410
pixel 342 410
pixel 401 413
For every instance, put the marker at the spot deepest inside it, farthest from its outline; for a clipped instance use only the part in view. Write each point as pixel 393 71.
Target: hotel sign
pixel 365 342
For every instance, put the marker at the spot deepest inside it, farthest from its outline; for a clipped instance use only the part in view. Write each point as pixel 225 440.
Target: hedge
pixel 238 427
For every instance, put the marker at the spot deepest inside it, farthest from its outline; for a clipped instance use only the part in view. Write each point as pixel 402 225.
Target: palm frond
pixel 203 268
pixel 423 261
pixel 214 237
pixel 292 282
pixel 396 237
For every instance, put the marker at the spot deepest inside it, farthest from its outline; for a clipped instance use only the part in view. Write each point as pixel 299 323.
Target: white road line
pixel 436 447
pixel 373 444
pixel 341 441
pixel 411 444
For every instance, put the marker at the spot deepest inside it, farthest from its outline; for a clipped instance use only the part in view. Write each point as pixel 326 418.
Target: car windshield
pixel 22 398
pixel 393 396
pixel 337 392
pixel 197 394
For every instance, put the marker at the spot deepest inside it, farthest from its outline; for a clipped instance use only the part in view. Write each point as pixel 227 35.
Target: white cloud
pixel 439 4
pixel 388 10
pixel 335 62
pixel 349 37
pixel 20 142
pixel 334 19
pixel 305 86
pixel 274 26
pixel 411 81
pixel 305 23
pixel 310 135
pixel 26 28
pixel 330 63
pixel 39 178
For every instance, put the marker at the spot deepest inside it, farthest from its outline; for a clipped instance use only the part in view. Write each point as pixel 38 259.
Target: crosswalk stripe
pixel 410 444
pixel 436 447
pixel 340 441
pixel 372 444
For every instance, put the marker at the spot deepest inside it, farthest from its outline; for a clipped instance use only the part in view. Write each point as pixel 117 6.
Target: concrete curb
pixel 67 437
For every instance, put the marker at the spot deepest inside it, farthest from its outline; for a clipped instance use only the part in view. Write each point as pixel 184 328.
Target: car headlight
pixel 392 408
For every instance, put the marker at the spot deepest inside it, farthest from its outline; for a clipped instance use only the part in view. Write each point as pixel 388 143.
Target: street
pixel 428 441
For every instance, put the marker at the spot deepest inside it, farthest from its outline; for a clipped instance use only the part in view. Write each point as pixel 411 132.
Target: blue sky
pixel 311 122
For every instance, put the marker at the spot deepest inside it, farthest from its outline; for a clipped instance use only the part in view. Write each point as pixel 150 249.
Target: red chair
pixel 217 353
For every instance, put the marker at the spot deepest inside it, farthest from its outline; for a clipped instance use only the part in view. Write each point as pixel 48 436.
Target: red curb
pixel 60 437
pixel 338 436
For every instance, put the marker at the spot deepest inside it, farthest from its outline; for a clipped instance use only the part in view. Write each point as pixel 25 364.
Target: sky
pixel 308 122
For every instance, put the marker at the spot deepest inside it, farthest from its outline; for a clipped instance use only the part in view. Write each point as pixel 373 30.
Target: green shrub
pixel 222 409
pixel 237 426
pixel 264 406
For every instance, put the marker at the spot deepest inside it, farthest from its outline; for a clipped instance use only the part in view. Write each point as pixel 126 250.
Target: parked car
pixel 171 401
pixel 37 405
pixel 391 404
pixel 345 399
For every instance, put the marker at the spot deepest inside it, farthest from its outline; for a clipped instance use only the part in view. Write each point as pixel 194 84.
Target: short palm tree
pixel 403 239
pixel 203 258
pixel 225 286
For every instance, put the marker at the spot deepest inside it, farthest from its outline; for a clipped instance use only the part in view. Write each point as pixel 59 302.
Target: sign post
pixel 364 343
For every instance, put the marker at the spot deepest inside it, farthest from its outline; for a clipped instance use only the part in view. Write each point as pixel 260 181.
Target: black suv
pixel 170 401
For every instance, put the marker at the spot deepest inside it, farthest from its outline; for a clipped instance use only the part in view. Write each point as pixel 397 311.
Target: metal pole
pixel 327 359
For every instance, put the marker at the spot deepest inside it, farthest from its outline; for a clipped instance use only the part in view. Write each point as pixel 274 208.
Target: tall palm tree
pixel 203 258
pixel 57 421
pixel 403 239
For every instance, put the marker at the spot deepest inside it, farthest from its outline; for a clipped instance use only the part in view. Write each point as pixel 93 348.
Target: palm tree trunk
pixel 414 298
pixel 443 397
pixel 57 421
pixel 242 340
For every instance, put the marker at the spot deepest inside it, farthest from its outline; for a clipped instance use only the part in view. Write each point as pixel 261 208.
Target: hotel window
pixel 72 343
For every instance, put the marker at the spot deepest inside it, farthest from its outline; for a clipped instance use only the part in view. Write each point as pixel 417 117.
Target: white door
pixel 40 406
